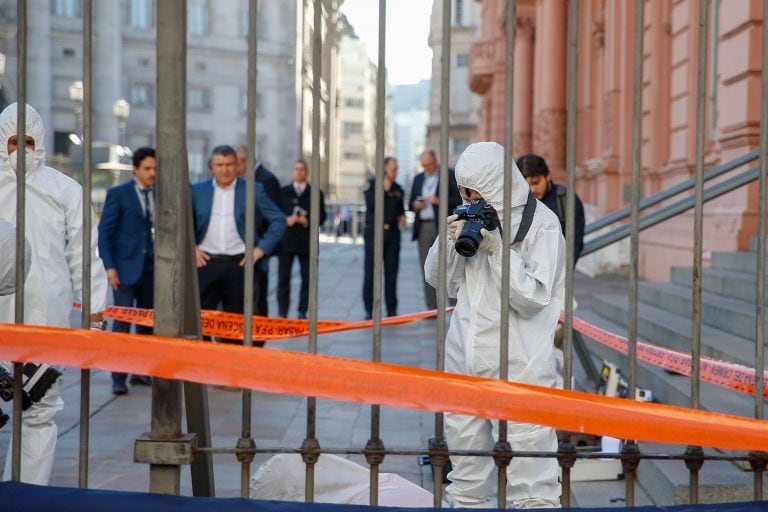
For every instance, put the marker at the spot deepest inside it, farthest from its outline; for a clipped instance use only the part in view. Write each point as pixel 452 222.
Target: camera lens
pixel 466 246
pixel 470 238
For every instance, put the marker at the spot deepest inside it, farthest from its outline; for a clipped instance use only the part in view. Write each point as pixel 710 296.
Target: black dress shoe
pixel 302 316
pixel 140 380
pixel 119 388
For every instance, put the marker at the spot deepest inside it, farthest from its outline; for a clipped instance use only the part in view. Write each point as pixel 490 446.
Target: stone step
pixel 729 283
pixel 719 481
pixel 753 243
pixel 741 261
pixel 667 482
pixel 664 328
pixel 667 388
pixel 730 315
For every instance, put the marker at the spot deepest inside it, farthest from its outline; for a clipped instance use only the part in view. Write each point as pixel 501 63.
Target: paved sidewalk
pixel 278 420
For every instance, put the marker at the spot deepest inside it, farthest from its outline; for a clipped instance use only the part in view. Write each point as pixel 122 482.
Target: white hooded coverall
pixel 54 230
pixel 536 277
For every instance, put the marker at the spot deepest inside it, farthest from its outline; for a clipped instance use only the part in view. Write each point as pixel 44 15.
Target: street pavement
pixel 279 421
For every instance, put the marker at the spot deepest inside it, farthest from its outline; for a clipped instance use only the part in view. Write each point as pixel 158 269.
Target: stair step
pixel 727 314
pixel 664 328
pixel 719 481
pixel 667 388
pixel 667 482
pixel 753 243
pixel 729 283
pixel 739 261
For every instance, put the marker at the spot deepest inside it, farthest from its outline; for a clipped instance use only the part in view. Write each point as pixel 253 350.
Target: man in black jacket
pixel 536 172
pixel 425 201
pixel 295 203
pixel 394 217
pixel 272 188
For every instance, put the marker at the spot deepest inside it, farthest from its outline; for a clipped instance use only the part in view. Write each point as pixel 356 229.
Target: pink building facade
pixel 604 112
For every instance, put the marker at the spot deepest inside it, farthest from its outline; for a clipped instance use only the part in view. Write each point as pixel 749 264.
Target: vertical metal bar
pixel 570 208
pixel 375 444
pixel 21 189
pixel 442 208
pixel 761 240
pixel 171 213
pixel 85 374
pixel 630 465
pixel 503 446
pixel 314 241
pixel 701 69
pixel 250 212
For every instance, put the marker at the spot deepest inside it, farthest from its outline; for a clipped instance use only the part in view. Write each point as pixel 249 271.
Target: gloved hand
pixel 491 240
pixel 454 226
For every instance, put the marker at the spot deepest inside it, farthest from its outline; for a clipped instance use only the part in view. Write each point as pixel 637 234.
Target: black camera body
pixel 478 215
pixel 36 381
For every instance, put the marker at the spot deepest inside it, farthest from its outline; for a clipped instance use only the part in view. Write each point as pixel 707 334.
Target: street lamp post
pixel 76 95
pixel 122 109
pixel 2 68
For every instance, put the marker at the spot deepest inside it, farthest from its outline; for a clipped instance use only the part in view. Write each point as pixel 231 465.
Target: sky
pixel 408 56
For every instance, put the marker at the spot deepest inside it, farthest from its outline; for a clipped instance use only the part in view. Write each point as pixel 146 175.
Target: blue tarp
pixel 19 497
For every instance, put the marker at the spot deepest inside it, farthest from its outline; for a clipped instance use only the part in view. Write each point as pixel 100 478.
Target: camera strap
pixel 527 220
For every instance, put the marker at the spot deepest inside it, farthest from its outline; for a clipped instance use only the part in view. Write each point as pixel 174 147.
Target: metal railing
pixel 177 307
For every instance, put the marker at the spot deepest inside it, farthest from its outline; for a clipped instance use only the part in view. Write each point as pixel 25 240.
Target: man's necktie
pixel 148 222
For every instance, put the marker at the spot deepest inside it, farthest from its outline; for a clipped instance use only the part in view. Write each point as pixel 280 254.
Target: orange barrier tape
pixel 335 378
pixel 731 376
pixel 231 325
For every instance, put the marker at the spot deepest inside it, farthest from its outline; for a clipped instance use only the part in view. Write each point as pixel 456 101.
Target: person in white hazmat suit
pixel 8 258
pixel 536 297
pixel 54 230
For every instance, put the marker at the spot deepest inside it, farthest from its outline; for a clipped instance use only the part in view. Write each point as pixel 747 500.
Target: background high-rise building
pixel 463 104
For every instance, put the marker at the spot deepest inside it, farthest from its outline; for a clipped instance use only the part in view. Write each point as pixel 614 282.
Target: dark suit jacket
pixel 202 202
pixel 269 181
pixel 123 236
pixel 454 198
pixel 296 238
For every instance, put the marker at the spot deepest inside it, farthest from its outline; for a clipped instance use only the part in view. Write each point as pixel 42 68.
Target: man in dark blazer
pixel 218 207
pixel 295 203
pixel 127 247
pixel 272 188
pixel 424 202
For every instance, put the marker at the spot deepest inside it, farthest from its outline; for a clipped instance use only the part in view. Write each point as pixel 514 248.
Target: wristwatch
pixel 99 326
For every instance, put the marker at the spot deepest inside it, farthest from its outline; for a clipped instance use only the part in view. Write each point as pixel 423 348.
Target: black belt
pixel 229 257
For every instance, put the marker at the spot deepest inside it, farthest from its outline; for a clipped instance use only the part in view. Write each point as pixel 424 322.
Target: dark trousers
pixel 391 264
pixel 221 281
pixel 285 264
pixel 140 295
pixel 260 291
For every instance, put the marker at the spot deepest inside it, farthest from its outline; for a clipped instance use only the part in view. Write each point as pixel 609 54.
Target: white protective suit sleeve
pixel 74 256
pixel 455 267
pixel 8 258
pixel 531 279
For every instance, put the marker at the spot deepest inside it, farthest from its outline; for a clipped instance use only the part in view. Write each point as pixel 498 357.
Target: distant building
pixel 356 117
pixel 410 109
pixel 463 105
pixel 124 67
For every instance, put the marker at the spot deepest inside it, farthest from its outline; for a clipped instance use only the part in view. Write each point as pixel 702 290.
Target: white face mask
pixel 29 159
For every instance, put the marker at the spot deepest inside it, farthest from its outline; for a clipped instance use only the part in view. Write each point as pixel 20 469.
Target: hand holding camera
pixel 455 226
pixel 480 220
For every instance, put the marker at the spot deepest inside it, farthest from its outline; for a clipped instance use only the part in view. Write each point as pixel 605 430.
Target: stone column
pixel 549 126
pixel 523 113
pixel 39 83
pixel 107 68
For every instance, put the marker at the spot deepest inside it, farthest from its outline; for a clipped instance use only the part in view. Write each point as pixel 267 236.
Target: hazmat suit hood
pixel 35 129
pixel 481 167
